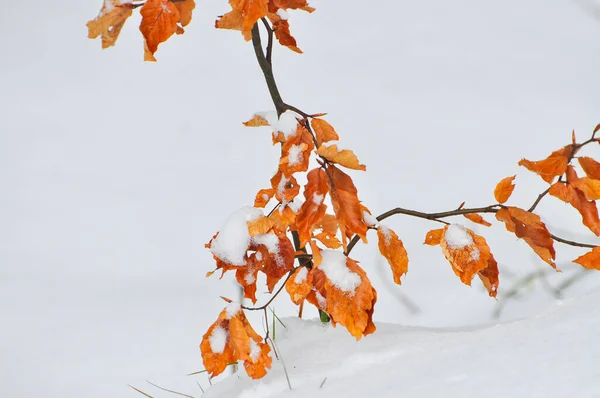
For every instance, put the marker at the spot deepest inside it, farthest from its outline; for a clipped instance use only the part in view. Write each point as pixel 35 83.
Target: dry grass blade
pixel 140 391
pixel 171 391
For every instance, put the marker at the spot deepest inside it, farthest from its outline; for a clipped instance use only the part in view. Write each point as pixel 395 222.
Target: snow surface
pixel 555 354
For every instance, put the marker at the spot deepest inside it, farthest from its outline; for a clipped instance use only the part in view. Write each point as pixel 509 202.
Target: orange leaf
pixel 109 22
pixel 299 285
pixel 590 166
pixel 344 157
pixel 529 227
pixel 159 22
pixel 257 121
pixel 553 166
pixel 295 152
pixel 590 260
pixel 346 205
pixel 330 241
pixel 246 277
pixel 489 276
pixel 434 237
pixel 286 188
pixel 576 198
pixel 293 4
pixel 477 219
pixel 281 28
pixel 185 9
pixel 589 187
pixel 277 256
pixel 259 226
pixel 467 252
pixel 243 16
pixel 313 209
pixel 283 217
pixel 349 294
pixel 216 353
pixel 324 131
pixel 504 189
pixel 263 197
pixel 393 250
pixel 258 363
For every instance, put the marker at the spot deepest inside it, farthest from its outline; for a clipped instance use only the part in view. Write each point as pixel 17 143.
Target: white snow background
pixel 115 173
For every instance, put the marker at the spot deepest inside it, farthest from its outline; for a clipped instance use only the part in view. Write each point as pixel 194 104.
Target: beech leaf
pixel 393 250
pixel 504 189
pixel 159 22
pixel 553 166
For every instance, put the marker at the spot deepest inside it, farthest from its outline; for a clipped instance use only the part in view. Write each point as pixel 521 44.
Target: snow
pixel 295 155
pixel 369 219
pixel 231 244
pixel 457 237
pixel 334 266
pixel 552 355
pixel 301 275
pixel 287 123
pixel 254 350
pixel 386 233
pixel 232 309
pixel 218 340
pixel 475 254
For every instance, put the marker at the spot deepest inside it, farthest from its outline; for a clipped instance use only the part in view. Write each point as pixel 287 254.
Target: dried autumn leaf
pixel 246 277
pixel 467 252
pixel 286 188
pixel 260 360
pixel 434 237
pixel 530 228
pixel 159 22
pixel 553 166
pixel 590 166
pixel 277 256
pixel 346 205
pixel 281 28
pixel 299 285
pixel 295 152
pixel 185 9
pixel 283 217
pixel 588 186
pixel 216 353
pixel 504 189
pixel 323 131
pixel 293 4
pixel 576 198
pixel 328 240
pixel 259 226
pixel 243 16
pixel 477 219
pixel 257 121
pixel 263 197
pixel 109 22
pixel 590 260
pixel 393 250
pixel 349 295
pixel 342 157
pixel 489 276
pixel 313 209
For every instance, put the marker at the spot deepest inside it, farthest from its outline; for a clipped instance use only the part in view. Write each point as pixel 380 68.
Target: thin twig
pixel 572 243
pixel 269 55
